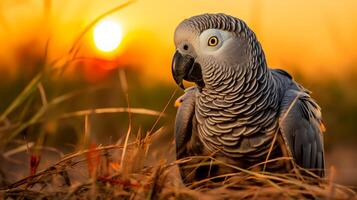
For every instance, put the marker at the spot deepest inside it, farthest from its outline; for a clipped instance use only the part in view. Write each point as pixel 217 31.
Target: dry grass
pixel 96 173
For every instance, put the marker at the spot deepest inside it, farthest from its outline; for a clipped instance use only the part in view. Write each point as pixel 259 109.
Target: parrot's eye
pixel 212 41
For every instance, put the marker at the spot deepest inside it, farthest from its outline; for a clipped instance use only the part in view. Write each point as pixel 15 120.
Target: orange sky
pixel 315 36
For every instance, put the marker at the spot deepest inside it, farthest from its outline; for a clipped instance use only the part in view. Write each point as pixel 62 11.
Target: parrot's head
pixel 210 45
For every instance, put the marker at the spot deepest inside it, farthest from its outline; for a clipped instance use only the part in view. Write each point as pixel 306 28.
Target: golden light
pixel 107 35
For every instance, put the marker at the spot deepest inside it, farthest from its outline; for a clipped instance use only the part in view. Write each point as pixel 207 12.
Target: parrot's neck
pixel 255 87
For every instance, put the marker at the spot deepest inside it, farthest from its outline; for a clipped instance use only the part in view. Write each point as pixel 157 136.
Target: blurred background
pixel 61 60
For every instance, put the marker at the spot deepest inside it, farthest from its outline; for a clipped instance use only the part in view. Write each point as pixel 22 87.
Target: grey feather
pixel 299 123
pixel 183 123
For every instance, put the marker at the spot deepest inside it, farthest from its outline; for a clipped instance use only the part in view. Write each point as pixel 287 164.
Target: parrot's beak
pixel 184 67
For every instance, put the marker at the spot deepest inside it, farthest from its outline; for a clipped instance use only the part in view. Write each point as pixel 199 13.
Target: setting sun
pixel 107 35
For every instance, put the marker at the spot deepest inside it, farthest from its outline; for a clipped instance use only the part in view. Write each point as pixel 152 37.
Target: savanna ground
pixel 64 137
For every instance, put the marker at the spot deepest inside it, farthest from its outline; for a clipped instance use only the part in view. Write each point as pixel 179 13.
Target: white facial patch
pixel 208 43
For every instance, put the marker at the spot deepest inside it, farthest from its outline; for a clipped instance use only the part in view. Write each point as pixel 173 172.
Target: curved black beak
pixel 184 67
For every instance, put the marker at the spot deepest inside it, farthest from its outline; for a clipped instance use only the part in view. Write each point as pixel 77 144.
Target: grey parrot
pixel 239 111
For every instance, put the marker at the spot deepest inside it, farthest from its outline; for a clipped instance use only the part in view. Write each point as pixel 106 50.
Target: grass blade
pixel 29 89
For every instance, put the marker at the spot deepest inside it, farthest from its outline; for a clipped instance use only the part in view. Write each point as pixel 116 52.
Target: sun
pixel 107 35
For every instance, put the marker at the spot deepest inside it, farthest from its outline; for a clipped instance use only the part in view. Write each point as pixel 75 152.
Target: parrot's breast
pixel 236 125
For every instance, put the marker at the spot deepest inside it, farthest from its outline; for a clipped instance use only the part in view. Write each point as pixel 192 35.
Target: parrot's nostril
pixel 185 47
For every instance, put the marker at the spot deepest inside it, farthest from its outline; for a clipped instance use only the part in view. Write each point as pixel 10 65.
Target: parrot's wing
pixel 184 116
pixel 301 126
